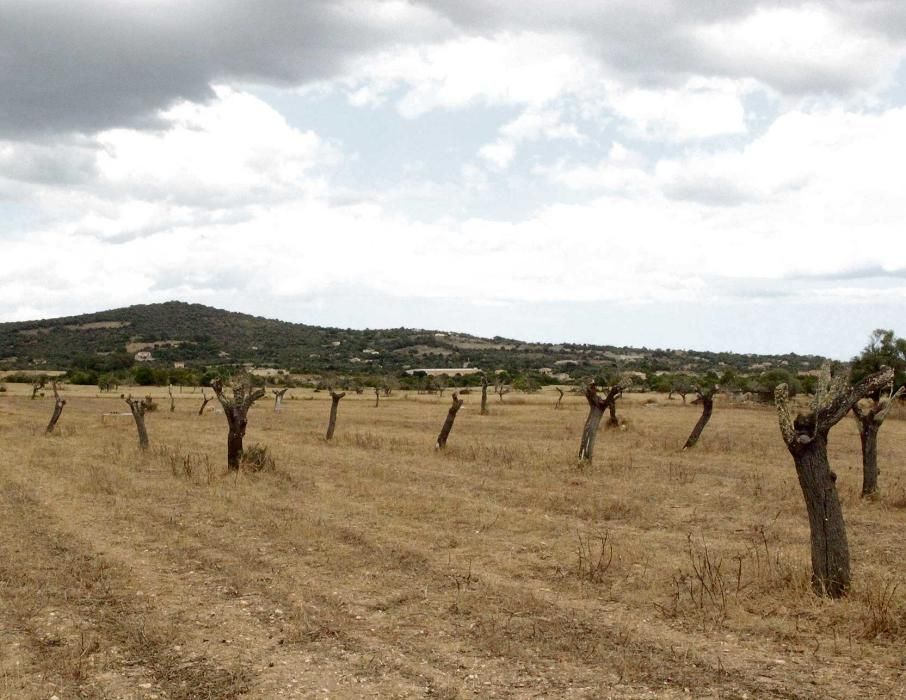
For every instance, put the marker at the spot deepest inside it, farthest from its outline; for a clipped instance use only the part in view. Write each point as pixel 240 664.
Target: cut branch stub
pixel 806 439
pixel 448 423
pixel 236 412
pixel 706 397
pixel 58 404
pixel 332 420
pixel 138 413
pixel 596 407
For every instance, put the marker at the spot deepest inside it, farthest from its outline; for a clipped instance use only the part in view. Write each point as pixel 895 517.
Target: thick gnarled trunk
pixel 869 421
pixel 830 550
pixel 236 411
pixel 596 407
pixel 806 439
pixel 589 433
pixel 138 414
pixel 868 435
pixel 332 420
pixel 707 401
pixel 58 404
pixel 204 402
pixel 448 423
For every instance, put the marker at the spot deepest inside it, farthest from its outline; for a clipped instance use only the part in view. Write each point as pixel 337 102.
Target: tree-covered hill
pixel 201 336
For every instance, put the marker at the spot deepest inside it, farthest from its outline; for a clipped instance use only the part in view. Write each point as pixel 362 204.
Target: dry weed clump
pixel 258 458
pixel 713 585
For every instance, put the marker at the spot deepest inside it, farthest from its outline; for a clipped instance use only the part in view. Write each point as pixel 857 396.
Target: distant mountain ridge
pixel 198 335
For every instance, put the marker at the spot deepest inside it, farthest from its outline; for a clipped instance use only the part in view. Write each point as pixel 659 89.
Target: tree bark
pixel 448 423
pixel 236 412
pixel 204 402
pixel 332 421
pixel 869 422
pixel 484 395
pixel 278 397
pixel 596 407
pixel 57 409
pixel 138 413
pixel 868 435
pixel 806 439
pixel 707 399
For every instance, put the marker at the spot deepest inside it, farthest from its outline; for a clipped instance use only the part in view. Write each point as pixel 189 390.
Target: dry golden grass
pixel 375 566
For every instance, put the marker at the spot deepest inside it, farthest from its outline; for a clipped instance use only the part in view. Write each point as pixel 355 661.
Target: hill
pixel 202 336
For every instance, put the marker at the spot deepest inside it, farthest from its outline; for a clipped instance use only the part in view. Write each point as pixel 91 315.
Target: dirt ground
pixel 375 566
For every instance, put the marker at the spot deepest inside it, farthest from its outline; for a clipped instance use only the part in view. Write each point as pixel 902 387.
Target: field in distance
pixel 375 566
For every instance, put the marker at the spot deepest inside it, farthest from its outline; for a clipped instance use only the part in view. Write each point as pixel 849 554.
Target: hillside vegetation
pixel 201 336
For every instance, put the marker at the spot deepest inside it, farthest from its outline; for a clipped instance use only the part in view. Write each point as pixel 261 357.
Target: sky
pixel 669 173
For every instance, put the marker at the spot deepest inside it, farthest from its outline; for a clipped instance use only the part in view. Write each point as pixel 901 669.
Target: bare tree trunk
pixel 806 439
pixel 35 387
pixel 559 399
pixel 332 421
pixel 707 399
pixel 613 421
pixel 377 396
pixel 484 395
pixel 278 397
pixel 236 412
pixel 204 402
pixel 57 409
pixel 868 435
pixel 448 423
pixel 138 413
pixel 869 422
pixel 596 407
pixel 172 400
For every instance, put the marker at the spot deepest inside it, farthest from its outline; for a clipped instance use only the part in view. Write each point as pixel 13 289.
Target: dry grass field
pixel 374 566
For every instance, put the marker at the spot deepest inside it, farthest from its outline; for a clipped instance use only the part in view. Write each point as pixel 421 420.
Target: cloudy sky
pixel 670 173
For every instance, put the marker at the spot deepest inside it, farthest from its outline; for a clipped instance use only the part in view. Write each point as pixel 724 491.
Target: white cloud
pixel 700 109
pixel 532 125
pixel 525 68
pixel 810 48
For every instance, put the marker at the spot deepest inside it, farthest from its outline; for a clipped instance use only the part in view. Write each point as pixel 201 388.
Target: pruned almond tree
pixel 278 397
pixel 596 407
pixel 332 420
pixel 448 423
pixel 501 389
pixel 236 410
pixel 204 401
pixel 706 397
pixel 805 436
pixel 377 396
pixel 37 385
pixel 559 399
pixel 869 420
pixel 138 413
pixel 58 404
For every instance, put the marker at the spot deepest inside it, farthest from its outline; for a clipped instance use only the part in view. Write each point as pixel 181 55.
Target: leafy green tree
pixel 884 349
